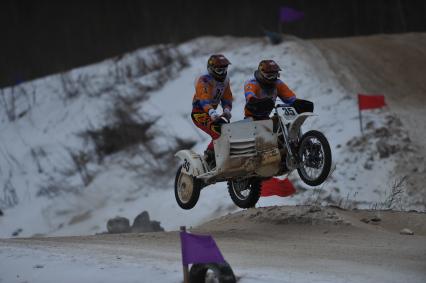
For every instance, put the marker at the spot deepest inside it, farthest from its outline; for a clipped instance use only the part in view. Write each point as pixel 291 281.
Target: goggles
pixel 271 76
pixel 220 70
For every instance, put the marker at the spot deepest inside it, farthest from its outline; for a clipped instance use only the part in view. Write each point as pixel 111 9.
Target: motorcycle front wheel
pixel 315 158
pixel 187 189
pixel 245 193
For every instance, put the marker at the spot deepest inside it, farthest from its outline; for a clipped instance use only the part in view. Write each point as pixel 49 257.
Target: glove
pixel 213 114
pixel 227 113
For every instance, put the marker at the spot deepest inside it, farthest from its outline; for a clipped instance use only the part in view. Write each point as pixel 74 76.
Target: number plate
pixel 186 165
pixel 289 113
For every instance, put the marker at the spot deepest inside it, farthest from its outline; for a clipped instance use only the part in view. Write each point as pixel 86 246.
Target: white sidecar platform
pixel 247 147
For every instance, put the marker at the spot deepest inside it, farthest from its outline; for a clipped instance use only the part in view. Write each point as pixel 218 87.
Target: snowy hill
pixel 64 170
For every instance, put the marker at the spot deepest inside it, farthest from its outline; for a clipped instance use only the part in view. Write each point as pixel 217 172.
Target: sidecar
pixel 245 148
pixel 246 152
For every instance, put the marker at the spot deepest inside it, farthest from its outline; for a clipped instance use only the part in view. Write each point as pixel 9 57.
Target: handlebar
pixel 223 118
pixel 282 105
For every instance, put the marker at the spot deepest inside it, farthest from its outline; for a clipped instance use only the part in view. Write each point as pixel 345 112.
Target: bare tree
pixel 8 103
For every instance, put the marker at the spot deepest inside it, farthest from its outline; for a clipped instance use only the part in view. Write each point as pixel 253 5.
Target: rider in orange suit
pixel 212 89
pixel 266 84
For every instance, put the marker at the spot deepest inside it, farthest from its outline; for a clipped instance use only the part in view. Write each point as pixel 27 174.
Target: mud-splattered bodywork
pixel 246 147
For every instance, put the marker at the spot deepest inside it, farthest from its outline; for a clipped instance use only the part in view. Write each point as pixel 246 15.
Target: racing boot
pixel 210 158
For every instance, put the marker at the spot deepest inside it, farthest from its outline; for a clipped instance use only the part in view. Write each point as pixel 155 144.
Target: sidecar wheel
pixel 245 193
pixel 187 190
pixel 315 158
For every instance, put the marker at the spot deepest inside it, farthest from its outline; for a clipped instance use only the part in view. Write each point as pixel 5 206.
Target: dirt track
pixel 393 65
pixel 329 245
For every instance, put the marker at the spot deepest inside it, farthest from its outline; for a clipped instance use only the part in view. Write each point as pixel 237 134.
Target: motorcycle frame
pixel 284 130
pixel 292 132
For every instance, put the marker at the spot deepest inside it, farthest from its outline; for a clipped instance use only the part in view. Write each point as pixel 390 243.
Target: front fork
pixel 292 159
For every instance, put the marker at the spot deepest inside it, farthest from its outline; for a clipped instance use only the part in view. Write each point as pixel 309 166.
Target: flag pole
pixel 360 118
pixel 185 266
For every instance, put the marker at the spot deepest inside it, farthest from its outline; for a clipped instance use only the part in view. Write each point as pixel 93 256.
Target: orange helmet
pixel 217 66
pixel 268 70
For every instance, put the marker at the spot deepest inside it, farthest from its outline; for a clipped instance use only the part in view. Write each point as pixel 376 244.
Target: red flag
pixel 275 186
pixel 371 101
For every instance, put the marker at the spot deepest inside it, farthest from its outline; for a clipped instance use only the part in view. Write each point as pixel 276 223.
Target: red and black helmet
pixel 217 66
pixel 268 71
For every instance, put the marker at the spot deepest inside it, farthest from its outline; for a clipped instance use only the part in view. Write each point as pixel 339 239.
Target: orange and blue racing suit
pixel 209 93
pixel 252 88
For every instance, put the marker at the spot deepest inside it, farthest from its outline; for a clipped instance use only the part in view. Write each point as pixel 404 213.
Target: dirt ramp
pixel 277 217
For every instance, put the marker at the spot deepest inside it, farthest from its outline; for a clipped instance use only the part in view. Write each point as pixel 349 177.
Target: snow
pixel 64 264
pixel 52 122
pixel 36 265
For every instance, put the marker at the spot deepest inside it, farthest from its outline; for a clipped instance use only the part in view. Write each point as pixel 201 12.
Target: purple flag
pixel 199 249
pixel 288 15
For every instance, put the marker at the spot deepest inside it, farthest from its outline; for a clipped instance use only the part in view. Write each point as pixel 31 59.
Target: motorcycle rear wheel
pixel 245 193
pixel 187 189
pixel 315 158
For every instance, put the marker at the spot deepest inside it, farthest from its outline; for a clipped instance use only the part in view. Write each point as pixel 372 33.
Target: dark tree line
pixel 41 37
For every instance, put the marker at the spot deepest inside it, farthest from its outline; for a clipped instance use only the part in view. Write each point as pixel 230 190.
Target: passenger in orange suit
pixel 212 89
